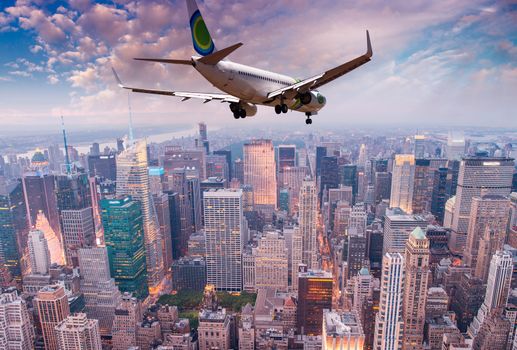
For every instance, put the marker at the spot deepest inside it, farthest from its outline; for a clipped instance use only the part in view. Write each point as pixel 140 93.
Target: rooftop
pixel 342 324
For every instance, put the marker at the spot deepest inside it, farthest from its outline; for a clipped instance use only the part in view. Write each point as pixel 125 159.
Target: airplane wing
pixel 207 97
pixel 326 77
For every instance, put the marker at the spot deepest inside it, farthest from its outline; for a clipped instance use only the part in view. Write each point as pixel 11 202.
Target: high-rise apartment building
pixel 124 239
pixel 127 314
pixel 498 287
pixel 402 182
pixel 77 332
pixel 224 233
pixel 51 304
pixel 133 180
pixel 307 221
pixel 260 172
pixel 101 295
pixel 39 254
pixel 415 289
pixel 16 328
pixel 314 296
pixel 389 321
pixel 486 233
pixel 271 262
pixel 477 176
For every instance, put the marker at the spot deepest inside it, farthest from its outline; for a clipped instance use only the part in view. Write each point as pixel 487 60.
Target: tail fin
pixel 203 43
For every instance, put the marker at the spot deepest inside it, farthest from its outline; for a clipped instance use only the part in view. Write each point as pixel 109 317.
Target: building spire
pixel 130 119
pixel 67 157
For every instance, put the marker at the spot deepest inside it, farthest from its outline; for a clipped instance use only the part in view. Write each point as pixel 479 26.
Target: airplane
pixel 246 87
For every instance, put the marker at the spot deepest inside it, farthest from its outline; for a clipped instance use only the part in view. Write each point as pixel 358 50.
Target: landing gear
pixel 282 108
pixel 308 120
pixel 238 112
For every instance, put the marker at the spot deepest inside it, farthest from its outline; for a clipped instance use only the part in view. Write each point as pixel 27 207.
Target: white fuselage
pixel 252 84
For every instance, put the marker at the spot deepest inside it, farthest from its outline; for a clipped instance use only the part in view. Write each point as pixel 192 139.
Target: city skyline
pixel 449 52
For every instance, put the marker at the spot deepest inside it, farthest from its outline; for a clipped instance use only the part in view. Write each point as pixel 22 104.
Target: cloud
pixel 430 58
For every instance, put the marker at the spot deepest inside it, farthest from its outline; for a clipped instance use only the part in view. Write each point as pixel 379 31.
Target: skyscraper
pixel 51 304
pixel 321 152
pixel 127 315
pixel 486 232
pixel 192 159
pixel 402 183
pixel 77 332
pixel 124 238
pixel 498 287
pixel 397 228
pixel 271 262
pixel 228 155
pixel 455 148
pixel 16 328
pixel 389 322
pixel 415 289
pixel 307 222
pixel 291 178
pixel 477 176
pixel 314 295
pixel 224 233
pixel 419 146
pixel 101 295
pixel 439 194
pixel 40 196
pixel 78 232
pixel 133 180
pixel 286 156
pixel 103 166
pixel 39 254
pixel 329 176
pixel 260 172
pixel 13 227
pixel 423 186
pixel 348 177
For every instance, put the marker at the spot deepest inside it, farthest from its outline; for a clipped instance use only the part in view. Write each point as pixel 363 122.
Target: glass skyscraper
pixel 124 237
pixel 13 227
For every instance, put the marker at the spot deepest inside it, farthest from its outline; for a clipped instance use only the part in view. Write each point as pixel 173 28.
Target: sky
pixel 447 62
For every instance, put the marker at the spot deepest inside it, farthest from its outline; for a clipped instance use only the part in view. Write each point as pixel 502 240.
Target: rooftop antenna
pixel 130 119
pixel 68 167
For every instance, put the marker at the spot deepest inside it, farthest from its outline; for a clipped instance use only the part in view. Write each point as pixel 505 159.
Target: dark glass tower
pixel 124 237
pixel 348 177
pixel 13 227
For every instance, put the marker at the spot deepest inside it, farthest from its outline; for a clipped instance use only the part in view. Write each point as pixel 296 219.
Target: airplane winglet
pixel 119 82
pixel 369 51
pixel 217 56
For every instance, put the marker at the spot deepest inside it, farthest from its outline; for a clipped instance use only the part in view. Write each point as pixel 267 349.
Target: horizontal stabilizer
pixel 217 56
pixel 165 60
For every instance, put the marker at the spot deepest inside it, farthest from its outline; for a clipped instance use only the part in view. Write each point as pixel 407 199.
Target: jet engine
pixel 312 99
